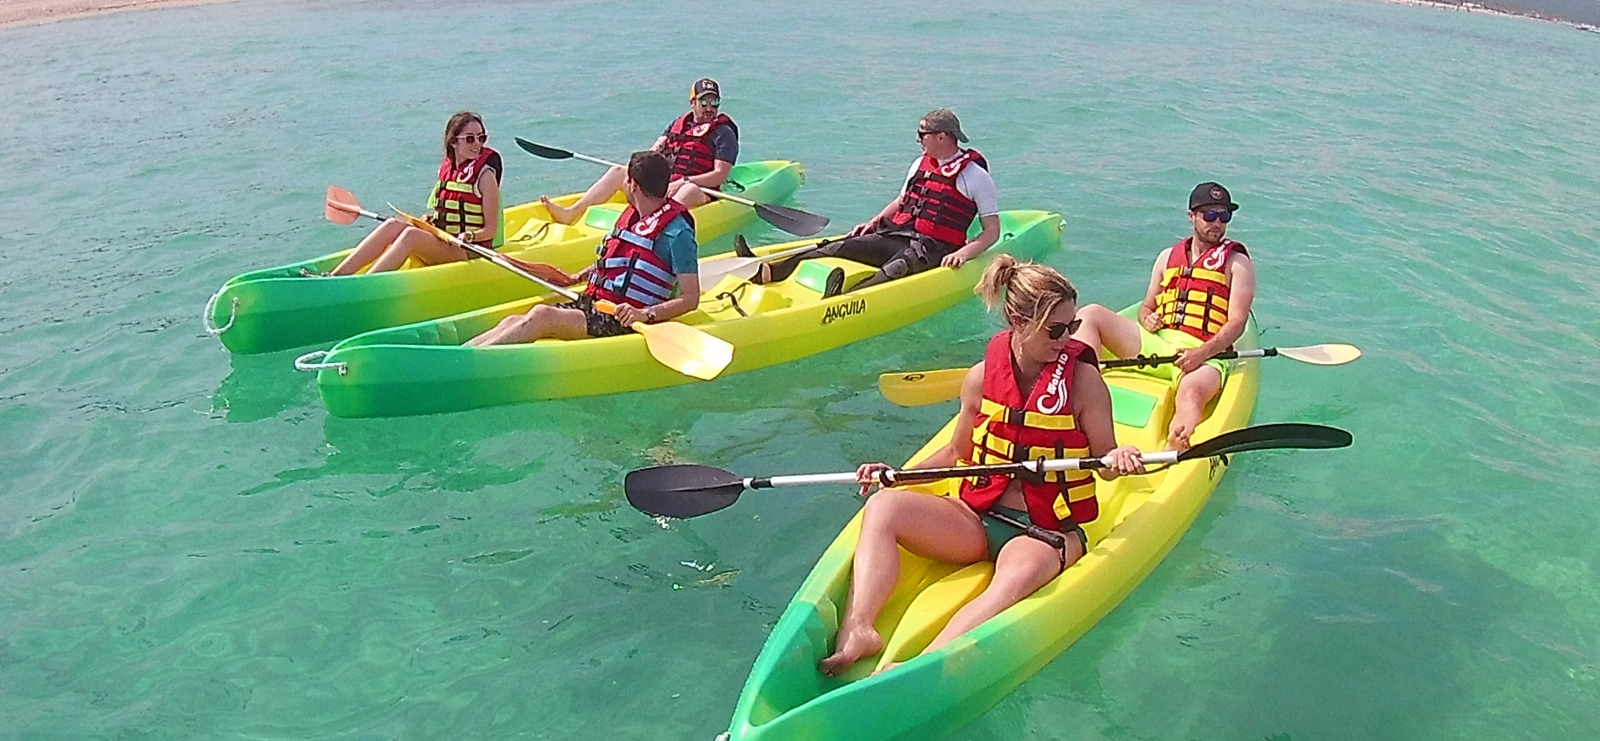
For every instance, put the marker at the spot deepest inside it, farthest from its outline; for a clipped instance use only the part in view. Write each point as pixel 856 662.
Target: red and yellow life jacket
pixel 1010 429
pixel 689 145
pixel 1194 295
pixel 457 206
pixel 933 206
pixel 629 270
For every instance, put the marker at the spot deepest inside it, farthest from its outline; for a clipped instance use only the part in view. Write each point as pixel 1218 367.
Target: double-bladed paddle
pixel 791 220
pixel 713 271
pixel 920 388
pixel 685 490
pixel 676 345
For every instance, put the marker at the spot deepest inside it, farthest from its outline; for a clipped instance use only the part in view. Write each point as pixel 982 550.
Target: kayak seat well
pixel 719 301
pixel 1139 401
pixel 1131 408
pixel 932 609
pixel 603 216
pixel 813 274
pixel 916 575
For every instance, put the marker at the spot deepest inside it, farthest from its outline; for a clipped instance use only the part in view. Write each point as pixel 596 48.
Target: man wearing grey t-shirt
pixel 924 227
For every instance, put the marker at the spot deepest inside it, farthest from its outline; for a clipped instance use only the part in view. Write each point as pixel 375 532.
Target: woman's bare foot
pixel 560 214
pixel 852 646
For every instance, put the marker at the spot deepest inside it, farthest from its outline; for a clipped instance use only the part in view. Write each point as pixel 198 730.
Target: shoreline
pixel 1471 7
pixel 36 12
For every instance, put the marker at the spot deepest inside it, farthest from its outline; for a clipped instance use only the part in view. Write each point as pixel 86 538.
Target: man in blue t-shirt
pixel 702 146
pixel 649 268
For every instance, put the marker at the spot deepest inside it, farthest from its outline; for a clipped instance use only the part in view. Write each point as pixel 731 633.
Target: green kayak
pixel 422 368
pixel 281 308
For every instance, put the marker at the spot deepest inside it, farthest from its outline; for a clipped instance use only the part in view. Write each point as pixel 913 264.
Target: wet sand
pixel 29 12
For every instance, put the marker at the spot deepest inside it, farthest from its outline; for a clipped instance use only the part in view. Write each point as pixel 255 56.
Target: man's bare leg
pixel 602 191
pixel 540 322
pixel 1106 329
pixel 1195 390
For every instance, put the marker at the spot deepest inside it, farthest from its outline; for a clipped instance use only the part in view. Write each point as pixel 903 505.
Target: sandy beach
pixel 1470 7
pixel 27 12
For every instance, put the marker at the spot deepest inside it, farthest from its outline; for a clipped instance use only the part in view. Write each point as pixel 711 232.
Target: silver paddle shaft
pixel 890 477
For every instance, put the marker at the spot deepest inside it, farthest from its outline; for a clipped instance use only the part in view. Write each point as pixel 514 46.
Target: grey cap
pixel 943 120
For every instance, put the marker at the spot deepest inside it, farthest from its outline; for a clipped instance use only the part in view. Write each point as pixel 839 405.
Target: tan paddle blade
pixel 922 388
pixel 423 224
pixel 685 349
pixel 1322 354
pixel 342 206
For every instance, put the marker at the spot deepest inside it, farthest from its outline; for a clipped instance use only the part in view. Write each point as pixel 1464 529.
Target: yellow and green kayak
pixel 288 306
pixel 423 368
pixel 929 697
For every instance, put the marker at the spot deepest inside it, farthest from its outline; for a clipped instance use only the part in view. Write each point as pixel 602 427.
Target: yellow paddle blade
pixel 922 388
pixel 685 349
pixel 1322 354
pixel 342 206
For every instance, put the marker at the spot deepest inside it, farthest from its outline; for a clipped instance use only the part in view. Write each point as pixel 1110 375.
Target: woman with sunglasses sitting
pixel 702 145
pixel 1037 393
pixel 465 202
pixel 1197 305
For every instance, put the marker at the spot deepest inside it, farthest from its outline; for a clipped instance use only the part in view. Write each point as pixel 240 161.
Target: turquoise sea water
pixel 191 548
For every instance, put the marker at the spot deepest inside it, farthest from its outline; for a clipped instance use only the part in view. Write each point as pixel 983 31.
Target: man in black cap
pixel 1196 306
pixel 702 146
pixel 926 225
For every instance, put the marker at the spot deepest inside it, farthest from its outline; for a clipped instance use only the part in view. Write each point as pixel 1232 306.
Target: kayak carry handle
pixel 304 363
pixel 211 307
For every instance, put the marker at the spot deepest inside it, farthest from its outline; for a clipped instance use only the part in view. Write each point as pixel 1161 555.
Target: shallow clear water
pixel 191 548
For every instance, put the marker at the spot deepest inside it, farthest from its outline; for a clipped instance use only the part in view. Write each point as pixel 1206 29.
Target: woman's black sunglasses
pixel 1058 329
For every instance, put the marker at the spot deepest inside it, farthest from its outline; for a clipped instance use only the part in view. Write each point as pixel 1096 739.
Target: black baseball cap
pixel 1211 194
pixel 704 86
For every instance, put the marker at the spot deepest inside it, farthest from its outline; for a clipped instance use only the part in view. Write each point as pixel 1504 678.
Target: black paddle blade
pixel 540 150
pixel 792 220
pixel 1268 437
pixel 681 491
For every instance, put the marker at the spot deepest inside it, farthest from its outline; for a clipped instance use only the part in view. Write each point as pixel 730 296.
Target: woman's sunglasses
pixel 1223 216
pixel 474 138
pixel 1059 329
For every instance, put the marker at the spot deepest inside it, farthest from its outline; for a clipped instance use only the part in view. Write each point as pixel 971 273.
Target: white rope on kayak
pixel 304 363
pixel 211 306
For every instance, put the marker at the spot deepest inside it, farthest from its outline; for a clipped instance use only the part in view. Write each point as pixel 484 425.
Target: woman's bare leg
pixel 418 243
pixel 371 247
pixel 941 528
pixel 1025 565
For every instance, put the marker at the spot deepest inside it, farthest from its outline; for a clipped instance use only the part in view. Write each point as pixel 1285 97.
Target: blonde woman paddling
pixel 1037 393
pixel 465 202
